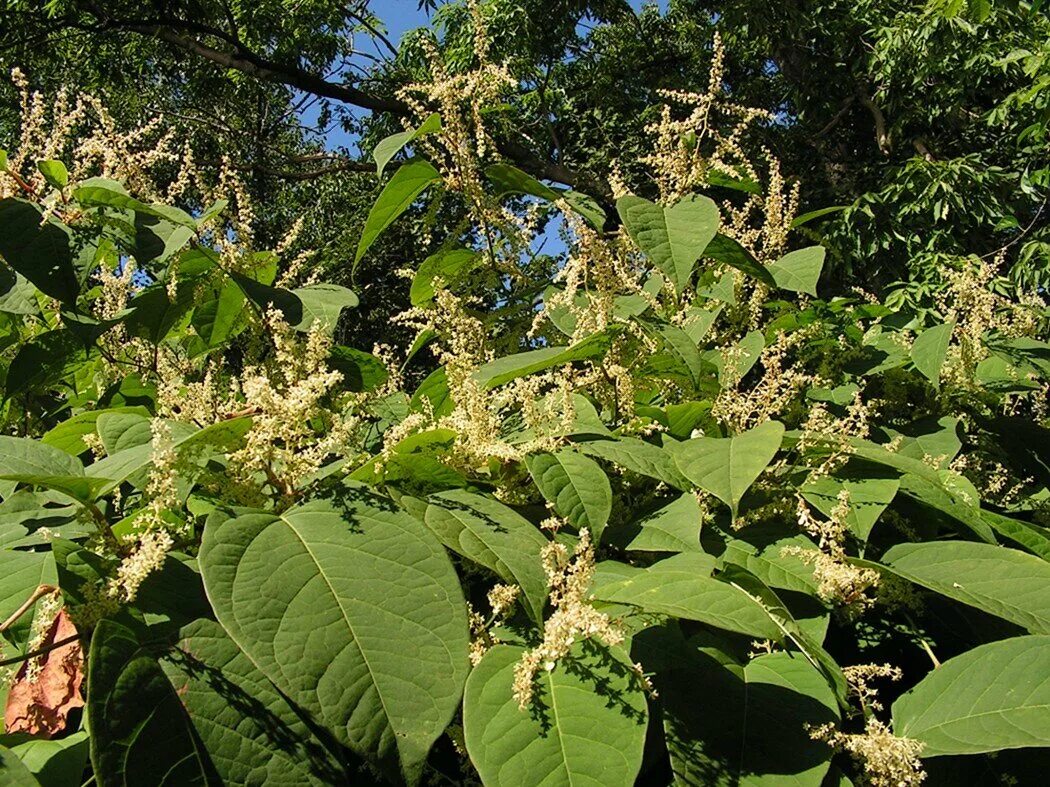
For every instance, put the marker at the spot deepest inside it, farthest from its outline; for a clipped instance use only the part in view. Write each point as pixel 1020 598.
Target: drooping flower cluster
pixel 573 619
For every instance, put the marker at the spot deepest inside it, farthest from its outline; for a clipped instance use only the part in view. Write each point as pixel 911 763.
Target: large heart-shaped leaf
pixel 251 732
pixel 586 724
pixel 352 608
pixel 758 734
pixel 1004 582
pixel 727 466
pixel 996 696
pixel 672 237
pixel 140 733
pixel 576 486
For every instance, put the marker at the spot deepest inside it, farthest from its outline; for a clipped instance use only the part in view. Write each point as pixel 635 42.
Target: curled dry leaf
pixel 47 687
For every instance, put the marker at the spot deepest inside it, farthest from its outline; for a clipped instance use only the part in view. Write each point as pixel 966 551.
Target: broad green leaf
pixel 266 297
pixel 576 486
pixel 101 192
pixel 868 498
pixel 19 297
pixel 407 183
pixel 727 466
pixel 680 351
pixel 757 734
pixel 140 733
pixel 363 625
pixel 361 371
pixel 996 696
pixel 774 568
pixel 20 574
pixel 214 320
pixel 1008 583
pixel 799 271
pixel 40 250
pixel 44 360
pixel 120 431
pixel 68 436
pixel 251 732
pixel 509 179
pixel 78 487
pixel 586 724
pixel 728 251
pixel 1034 538
pixel 448 267
pixel 13 773
pixel 492 535
pixel 53 763
pixel 322 305
pixel 433 394
pixel 683 586
pixel 639 457
pixel 25 456
pixel 54 172
pixel 155 314
pixel 929 350
pixel 389 146
pixel 673 528
pixel 510 367
pixel 674 237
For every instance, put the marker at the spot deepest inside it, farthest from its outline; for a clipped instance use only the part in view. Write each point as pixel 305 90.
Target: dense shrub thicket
pixel 656 510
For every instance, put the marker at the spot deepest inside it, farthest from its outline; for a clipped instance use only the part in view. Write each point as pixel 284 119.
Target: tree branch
pixel 882 136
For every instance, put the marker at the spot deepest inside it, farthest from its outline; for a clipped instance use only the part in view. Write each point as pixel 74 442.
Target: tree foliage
pixel 749 484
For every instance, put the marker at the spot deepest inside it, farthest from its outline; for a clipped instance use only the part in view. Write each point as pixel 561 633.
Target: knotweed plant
pixel 664 509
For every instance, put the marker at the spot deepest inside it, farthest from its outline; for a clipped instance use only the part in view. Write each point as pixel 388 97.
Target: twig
pixel 39 651
pixel 36 595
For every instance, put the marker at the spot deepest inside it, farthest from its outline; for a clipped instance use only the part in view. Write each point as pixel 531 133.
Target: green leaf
pixel 39 250
pixel 510 367
pixel 78 487
pixel 155 315
pixel 53 763
pixel 1004 582
pixel 363 624
pixel 639 457
pixel 322 304
pixel 54 172
pixel 20 574
pixel 586 724
pixel 805 218
pixel 266 297
pixel 675 237
pixel 509 179
pixel 68 436
pixel 361 371
pixel 929 350
pixel 727 466
pixel 728 251
pixel 25 456
pixel 576 486
pixel 996 696
pixel 448 266
pixel 868 498
pixel 253 734
pixel 101 192
pixel 407 183
pixel 120 431
pixel 683 586
pixel 492 535
pixel 389 146
pixel 214 320
pixel 799 271
pixel 757 735
pixel 12 772
pixel 673 528
pixel 140 733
